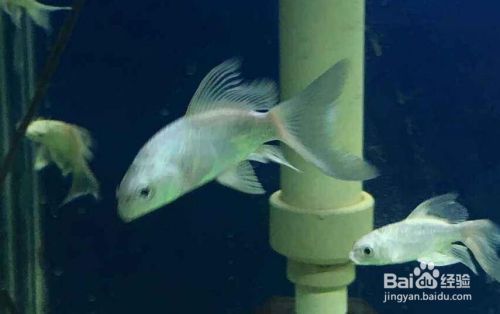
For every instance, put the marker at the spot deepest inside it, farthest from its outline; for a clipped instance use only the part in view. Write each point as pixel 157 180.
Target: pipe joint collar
pixel 320 277
pixel 319 237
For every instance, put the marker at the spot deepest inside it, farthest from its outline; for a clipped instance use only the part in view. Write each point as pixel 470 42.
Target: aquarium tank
pixel 260 157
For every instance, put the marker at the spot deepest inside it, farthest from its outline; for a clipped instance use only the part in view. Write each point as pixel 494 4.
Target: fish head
pixel 145 188
pixel 369 250
pixel 37 130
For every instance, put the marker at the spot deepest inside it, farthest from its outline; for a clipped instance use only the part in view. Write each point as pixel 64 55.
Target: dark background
pixel 432 126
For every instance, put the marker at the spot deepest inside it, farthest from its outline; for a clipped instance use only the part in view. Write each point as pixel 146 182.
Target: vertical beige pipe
pixel 7 199
pixel 35 288
pixel 21 268
pixel 314 35
pixel 315 219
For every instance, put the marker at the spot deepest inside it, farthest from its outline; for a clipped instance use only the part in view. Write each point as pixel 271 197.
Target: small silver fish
pixel 38 12
pixel 430 234
pixel 227 124
pixel 69 147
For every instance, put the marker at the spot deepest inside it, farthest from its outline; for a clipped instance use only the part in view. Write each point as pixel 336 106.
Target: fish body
pixel 409 240
pixel 69 147
pixel 437 232
pixel 38 12
pixel 204 156
pixel 227 124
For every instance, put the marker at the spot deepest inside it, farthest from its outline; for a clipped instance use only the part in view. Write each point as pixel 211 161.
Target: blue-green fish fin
pixel 482 237
pixel 241 178
pixel 306 124
pixel 444 207
pixel 223 87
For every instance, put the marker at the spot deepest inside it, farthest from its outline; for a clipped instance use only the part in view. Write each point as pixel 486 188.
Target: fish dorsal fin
pixel 223 87
pixel 444 207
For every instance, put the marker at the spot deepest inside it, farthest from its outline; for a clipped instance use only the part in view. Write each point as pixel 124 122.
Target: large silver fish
pixel 431 234
pixel 227 124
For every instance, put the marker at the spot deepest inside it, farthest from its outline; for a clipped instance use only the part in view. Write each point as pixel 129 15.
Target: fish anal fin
pixel 241 178
pixel 84 182
pixel 461 253
pixel 455 254
pixel 444 207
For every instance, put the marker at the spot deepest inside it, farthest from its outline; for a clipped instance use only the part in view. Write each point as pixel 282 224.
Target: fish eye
pixel 37 134
pixel 367 251
pixel 145 192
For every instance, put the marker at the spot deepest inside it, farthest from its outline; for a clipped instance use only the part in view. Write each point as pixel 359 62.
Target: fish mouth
pixel 352 258
pixel 34 135
pixel 124 215
pixel 128 214
pixel 125 218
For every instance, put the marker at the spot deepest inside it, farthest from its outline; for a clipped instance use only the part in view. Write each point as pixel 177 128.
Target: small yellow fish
pixel 38 12
pixel 68 146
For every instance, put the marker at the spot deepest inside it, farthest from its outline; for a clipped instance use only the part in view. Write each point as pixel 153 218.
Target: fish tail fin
pixel 39 13
pixel 305 124
pixel 84 182
pixel 482 237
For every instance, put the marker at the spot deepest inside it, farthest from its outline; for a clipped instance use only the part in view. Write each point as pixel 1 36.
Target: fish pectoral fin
pixel 455 254
pixel 444 207
pixel 42 158
pixel 266 153
pixel 241 178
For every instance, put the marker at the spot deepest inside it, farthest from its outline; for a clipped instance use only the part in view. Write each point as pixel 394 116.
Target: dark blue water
pixel 432 126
